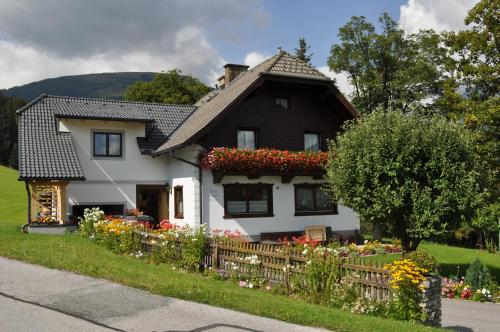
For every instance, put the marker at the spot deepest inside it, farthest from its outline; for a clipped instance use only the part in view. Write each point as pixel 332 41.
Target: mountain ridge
pixel 110 85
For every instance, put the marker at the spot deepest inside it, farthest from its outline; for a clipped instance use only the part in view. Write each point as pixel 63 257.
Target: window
pixel 246 139
pixel 248 200
pixel 282 103
pixel 312 142
pixel 310 199
pixel 107 144
pixel 178 203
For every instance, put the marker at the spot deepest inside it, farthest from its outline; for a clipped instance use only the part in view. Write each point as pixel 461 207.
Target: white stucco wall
pixel 185 175
pixel 112 180
pixel 283 208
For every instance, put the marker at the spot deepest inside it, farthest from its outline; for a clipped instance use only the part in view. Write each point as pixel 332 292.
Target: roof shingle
pixel 288 65
pixel 98 110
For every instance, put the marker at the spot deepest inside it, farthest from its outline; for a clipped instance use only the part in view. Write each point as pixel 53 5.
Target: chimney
pixel 231 71
pixel 220 82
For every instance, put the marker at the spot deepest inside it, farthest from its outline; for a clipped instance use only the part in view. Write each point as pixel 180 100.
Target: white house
pixel 78 152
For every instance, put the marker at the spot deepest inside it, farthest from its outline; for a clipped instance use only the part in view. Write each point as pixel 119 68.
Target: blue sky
pixel 51 38
pixel 318 22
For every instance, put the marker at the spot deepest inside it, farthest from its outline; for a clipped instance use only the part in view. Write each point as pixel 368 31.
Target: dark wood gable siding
pixel 311 109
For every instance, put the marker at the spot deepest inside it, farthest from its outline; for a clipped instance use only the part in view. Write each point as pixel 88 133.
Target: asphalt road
pixel 467 316
pixel 34 298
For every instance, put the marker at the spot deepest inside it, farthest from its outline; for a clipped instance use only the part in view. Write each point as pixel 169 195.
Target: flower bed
pixel 457 288
pixel 307 269
pixel 477 285
pixel 264 160
pixel 346 249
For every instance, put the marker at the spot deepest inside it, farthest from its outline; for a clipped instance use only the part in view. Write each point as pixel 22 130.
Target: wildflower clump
pixel 90 218
pixel 117 234
pixel 405 272
pixel 406 283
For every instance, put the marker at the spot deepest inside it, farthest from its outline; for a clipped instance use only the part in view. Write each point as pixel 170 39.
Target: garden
pixel 330 274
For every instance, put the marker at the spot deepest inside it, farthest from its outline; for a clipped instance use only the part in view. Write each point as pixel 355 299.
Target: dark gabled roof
pixel 167 119
pixel 290 66
pixel 78 108
pixel 213 105
pixel 45 153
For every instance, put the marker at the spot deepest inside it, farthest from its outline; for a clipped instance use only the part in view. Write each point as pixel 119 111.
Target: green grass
pixel 72 253
pixel 455 260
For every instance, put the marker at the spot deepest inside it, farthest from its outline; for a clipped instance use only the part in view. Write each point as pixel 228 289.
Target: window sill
pixel 238 216
pixel 315 213
pixel 107 158
pixel 178 217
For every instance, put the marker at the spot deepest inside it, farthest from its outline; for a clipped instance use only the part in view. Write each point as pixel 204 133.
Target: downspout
pixel 29 208
pixel 200 177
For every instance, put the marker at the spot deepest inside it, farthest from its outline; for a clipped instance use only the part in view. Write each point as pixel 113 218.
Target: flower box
pixel 264 162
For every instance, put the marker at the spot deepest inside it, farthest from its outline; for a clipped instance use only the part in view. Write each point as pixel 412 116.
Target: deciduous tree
pixel 388 69
pixel 170 88
pixel 419 176
pixel 472 97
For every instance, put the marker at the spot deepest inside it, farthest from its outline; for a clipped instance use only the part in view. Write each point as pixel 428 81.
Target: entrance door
pixel 152 201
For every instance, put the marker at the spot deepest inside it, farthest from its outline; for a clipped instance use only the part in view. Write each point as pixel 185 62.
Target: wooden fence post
pixel 285 276
pixel 215 257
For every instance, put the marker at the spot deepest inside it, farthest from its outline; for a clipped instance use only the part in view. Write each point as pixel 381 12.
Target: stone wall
pixel 431 300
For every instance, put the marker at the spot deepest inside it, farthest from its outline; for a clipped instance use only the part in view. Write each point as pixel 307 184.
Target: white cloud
pixel 434 14
pixel 41 39
pixel 341 80
pixel 254 58
pixel 191 53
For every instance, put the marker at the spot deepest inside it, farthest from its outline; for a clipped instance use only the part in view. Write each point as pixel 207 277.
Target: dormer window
pixel 282 103
pixel 107 144
pixel 247 139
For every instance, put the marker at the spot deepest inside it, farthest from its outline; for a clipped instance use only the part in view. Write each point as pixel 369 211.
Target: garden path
pixel 466 316
pixel 35 297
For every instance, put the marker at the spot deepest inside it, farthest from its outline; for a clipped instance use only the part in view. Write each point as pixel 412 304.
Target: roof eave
pixel 58 178
pixel 165 150
pixel 295 78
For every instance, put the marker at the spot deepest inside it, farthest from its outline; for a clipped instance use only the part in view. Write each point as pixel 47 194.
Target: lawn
pixel 79 255
pixel 452 260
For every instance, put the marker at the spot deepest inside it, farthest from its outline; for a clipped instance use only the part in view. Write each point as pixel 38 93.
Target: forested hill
pixel 105 85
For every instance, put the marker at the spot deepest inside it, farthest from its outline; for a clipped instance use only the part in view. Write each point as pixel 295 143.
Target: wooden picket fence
pixel 278 263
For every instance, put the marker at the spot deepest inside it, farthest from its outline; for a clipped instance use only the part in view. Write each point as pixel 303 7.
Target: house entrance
pixel 152 200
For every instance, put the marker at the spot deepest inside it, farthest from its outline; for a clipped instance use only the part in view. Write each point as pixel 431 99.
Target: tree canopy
pixel 8 130
pixel 419 176
pixel 454 74
pixel 388 69
pixel 471 96
pixel 302 50
pixel 169 87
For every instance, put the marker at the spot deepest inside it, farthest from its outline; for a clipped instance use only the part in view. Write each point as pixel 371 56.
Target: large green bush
pixel 419 176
